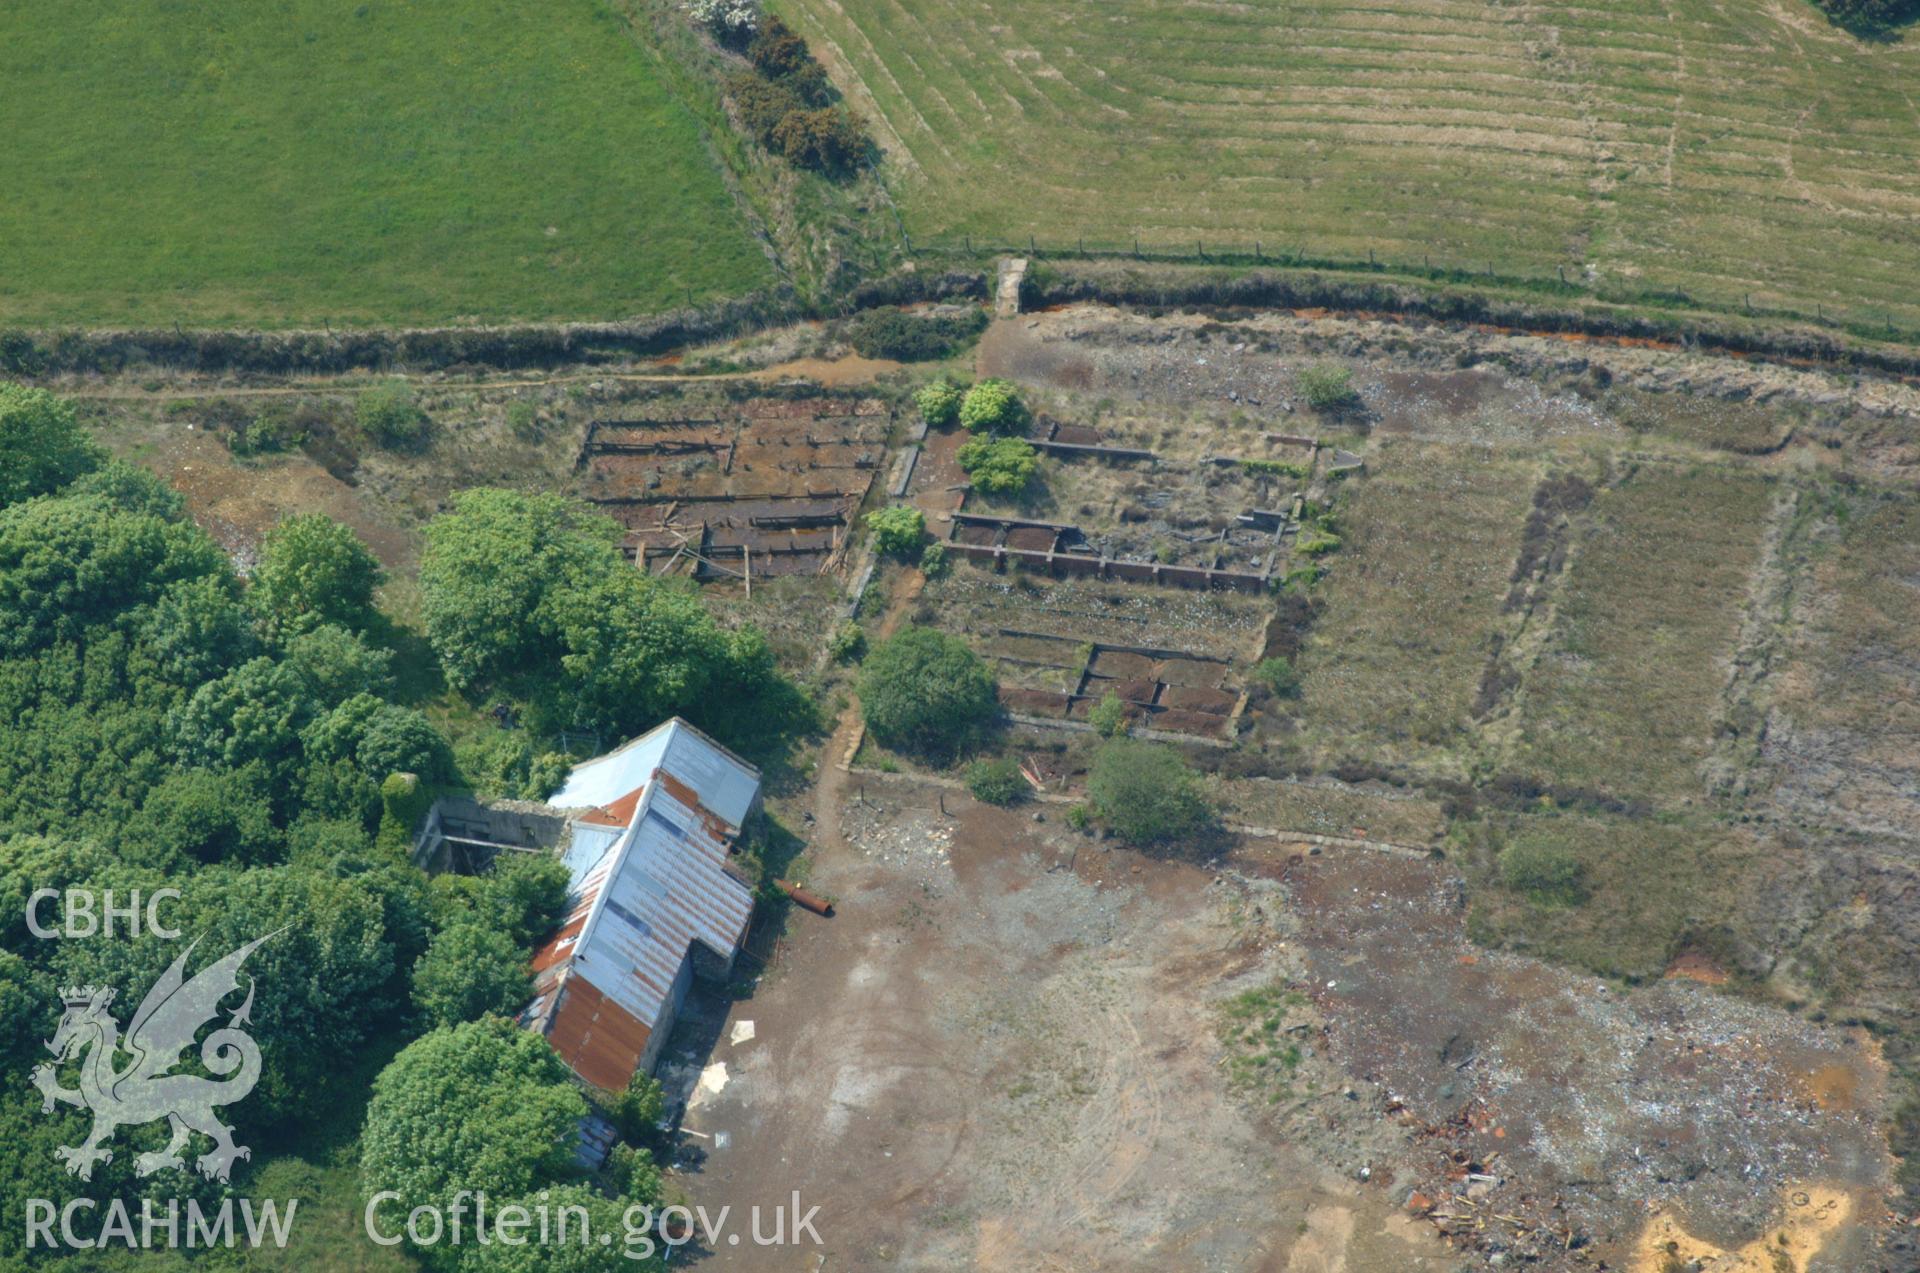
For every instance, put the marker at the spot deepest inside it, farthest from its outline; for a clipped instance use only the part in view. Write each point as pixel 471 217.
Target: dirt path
pixel 829 790
pixel 850 370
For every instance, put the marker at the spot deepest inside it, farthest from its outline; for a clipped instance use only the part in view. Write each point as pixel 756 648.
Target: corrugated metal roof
pixel 727 784
pixel 642 895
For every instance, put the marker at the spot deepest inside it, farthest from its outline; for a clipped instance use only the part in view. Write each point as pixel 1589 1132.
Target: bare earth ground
pixel 1003 1053
pixel 994 1057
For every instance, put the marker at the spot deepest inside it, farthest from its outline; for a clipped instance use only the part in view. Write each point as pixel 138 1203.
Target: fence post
pixel 1031 249
pixel 1256 249
pixel 1200 248
pixel 969 245
pixel 1563 274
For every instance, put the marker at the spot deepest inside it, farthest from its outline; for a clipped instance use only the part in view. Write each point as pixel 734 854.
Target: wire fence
pixel 1560 281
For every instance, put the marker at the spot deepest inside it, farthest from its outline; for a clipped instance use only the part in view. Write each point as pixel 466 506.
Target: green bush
pixel 1278 675
pixel 1326 385
pixel 939 403
pixel 993 406
pixel 927 692
pixel 638 1110
pixel 999 466
pixel 1108 717
pixel 1312 542
pixel 848 643
pixel 1277 468
pixel 894 333
pixel 389 415
pixel 997 781
pixel 275 429
pixel 934 562
pixel 898 530
pixel 1146 792
pixel 524 421
pixel 1549 874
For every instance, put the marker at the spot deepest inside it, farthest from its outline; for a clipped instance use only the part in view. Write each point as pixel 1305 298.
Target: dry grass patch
pixel 1412 600
pixel 1843 736
pixel 1623 698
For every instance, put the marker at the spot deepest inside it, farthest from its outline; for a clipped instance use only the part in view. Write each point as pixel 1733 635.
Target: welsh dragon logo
pixel 143 1091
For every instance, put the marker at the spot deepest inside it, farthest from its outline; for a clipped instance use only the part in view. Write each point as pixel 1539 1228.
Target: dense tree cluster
pixel 166 724
pixel 529 596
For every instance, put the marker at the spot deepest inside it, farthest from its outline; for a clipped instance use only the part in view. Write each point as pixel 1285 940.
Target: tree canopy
pixel 1146 792
pixel 927 692
pixel 530 595
pixel 469 971
pixel 312 571
pixel 42 447
pixel 484 1106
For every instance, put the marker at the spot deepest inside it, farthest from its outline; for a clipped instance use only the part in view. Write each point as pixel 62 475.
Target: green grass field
pixel 1720 149
pixel 283 163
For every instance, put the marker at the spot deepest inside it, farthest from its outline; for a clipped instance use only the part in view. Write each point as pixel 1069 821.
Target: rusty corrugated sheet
pixel 605 982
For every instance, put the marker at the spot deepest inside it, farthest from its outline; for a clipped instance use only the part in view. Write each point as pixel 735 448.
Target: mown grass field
pixel 1625 695
pixel 213 163
pixel 1679 144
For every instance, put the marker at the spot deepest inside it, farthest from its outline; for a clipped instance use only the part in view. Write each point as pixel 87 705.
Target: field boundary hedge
pixel 30 353
pixel 1054 281
pixel 1130 283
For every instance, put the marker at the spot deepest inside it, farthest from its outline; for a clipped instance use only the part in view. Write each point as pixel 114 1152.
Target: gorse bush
pixel 787 104
pixel 776 51
pixel 893 333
